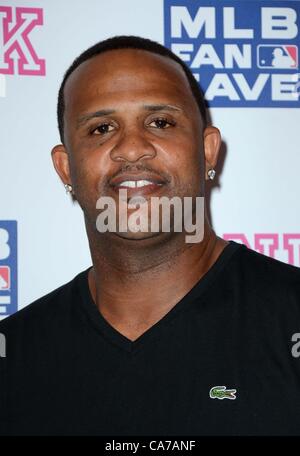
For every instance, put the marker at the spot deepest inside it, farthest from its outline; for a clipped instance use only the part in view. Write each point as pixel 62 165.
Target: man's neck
pixel 135 287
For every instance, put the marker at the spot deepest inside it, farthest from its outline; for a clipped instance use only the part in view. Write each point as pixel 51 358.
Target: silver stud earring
pixel 68 188
pixel 211 173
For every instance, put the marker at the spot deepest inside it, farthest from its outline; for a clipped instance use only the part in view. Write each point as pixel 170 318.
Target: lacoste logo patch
pixel 220 392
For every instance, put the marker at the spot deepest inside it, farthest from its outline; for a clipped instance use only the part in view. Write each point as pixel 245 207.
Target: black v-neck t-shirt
pixel 223 361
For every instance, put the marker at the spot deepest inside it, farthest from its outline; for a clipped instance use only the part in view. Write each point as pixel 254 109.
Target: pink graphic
pixel 266 243
pixel 4 278
pixel 291 243
pixel 17 55
pixel 285 247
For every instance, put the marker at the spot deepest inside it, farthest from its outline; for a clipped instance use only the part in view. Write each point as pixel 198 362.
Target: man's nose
pixel 132 147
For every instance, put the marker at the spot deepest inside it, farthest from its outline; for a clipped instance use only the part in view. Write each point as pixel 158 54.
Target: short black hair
pixel 128 42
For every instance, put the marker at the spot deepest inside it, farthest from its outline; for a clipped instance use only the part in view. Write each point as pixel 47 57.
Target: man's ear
pixel 60 160
pixel 212 143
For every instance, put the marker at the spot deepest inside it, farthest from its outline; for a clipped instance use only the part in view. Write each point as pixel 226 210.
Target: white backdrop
pixel 259 183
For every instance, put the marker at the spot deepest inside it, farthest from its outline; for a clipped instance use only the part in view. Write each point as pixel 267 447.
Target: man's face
pixel 130 113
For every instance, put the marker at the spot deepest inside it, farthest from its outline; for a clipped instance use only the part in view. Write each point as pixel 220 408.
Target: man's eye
pixel 161 123
pixel 102 129
pixel 107 128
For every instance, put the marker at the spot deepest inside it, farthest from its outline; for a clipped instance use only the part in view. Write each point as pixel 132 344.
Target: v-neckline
pixel 117 338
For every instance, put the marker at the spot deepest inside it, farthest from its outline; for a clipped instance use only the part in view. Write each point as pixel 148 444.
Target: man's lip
pixel 157 180
pixel 144 191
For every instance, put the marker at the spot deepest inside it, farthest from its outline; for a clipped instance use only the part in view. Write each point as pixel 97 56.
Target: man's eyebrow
pixel 91 115
pixel 161 107
pixel 106 112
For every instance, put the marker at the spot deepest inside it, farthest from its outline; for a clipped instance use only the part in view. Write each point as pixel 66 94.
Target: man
pixel 160 336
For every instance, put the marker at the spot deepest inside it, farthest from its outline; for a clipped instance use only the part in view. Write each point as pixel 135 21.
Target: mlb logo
pixel 277 56
pixel 4 278
pixel 8 267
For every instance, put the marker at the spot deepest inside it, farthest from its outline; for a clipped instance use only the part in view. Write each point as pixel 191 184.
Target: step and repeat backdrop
pixel 245 55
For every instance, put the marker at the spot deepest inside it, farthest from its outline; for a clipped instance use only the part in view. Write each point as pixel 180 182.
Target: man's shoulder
pixel 266 273
pixel 46 308
pixel 271 266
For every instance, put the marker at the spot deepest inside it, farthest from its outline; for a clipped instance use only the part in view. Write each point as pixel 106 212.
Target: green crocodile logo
pixel 220 392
